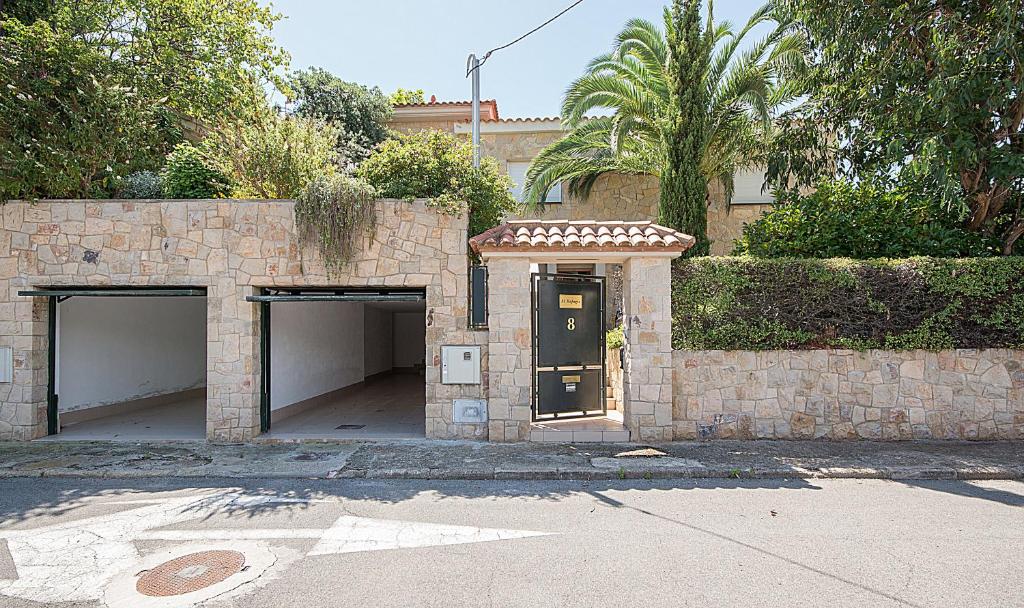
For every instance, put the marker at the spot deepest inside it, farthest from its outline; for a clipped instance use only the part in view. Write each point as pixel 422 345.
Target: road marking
pixel 353 534
pixel 76 561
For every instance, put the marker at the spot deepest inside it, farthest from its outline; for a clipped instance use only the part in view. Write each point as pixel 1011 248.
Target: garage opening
pixel 344 364
pixel 127 364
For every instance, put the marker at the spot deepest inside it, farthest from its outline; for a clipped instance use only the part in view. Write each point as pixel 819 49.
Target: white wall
pixel 315 347
pixel 377 340
pixel 111 350
pixel 409 339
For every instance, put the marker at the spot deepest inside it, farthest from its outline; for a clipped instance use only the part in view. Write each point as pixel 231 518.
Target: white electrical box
pixel 460 365
pixel 469 411
pixel 6 364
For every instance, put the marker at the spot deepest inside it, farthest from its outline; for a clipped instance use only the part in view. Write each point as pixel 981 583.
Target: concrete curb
pixel 565 473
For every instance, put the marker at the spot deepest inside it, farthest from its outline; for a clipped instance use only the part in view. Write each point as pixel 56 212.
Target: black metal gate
pixel 568 346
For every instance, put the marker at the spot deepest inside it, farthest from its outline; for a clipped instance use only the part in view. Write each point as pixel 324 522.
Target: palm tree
pixel 745 91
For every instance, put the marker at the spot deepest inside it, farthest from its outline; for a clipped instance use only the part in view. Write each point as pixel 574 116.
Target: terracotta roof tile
pixel 537 235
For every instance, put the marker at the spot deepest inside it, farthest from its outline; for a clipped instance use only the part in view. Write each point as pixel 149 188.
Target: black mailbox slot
pixel 568 390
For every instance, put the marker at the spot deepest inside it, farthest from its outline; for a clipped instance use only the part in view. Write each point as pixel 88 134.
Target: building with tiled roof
pixel 515 142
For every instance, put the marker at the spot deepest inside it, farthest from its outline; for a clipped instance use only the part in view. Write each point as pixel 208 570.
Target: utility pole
pixel 473 69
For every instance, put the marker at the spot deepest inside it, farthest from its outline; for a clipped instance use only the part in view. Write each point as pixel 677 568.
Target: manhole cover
pixel 190 573
pixel 350 427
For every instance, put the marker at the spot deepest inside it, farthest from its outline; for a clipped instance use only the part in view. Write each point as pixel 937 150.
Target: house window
pixel 517 172
pixel 747 185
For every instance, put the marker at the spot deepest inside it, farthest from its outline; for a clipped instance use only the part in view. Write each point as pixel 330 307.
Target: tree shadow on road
pixel 51 500
pixel 972 490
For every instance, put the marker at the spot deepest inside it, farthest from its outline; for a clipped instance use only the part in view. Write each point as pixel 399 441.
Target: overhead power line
pixel 488 54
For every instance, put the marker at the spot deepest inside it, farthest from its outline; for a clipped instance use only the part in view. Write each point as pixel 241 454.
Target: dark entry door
pixel 568 345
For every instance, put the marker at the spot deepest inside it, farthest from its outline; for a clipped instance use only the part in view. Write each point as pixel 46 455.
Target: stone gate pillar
pixel 647 369
pixel 509 348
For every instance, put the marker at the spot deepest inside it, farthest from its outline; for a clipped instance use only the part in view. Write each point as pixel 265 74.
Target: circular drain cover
pixel 190 573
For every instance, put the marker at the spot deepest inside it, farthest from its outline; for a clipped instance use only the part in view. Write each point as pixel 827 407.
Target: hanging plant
pixel 332 214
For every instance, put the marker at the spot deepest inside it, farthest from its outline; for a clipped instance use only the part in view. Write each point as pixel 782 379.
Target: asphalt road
pixel 839 543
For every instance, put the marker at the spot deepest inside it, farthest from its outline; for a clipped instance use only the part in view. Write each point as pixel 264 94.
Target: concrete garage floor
pixel 388 407
pixel 183 420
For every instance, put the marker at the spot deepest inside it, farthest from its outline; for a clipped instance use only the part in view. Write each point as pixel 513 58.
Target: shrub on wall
pixel 273 157
pixel 189 173
pixel 332 213
pixel 928 303
pixel 439 167
pixel 142 184
pixel 865 221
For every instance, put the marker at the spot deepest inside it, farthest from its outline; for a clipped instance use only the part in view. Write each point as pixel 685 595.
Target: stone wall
pixel 844 394
pixel 232 248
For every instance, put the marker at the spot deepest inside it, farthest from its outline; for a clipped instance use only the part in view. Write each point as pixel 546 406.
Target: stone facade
pixel 232 248
pixel 619 197
pixel 844 394
pixel 613 197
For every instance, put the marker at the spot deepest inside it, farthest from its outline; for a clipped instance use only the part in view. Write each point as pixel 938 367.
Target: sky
pixel 423 44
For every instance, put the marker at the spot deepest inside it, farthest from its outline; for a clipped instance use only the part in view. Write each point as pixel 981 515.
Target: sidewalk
pixel 472 460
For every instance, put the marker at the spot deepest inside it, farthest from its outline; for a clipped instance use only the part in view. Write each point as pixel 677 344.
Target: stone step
pixel 580 435
pixel 603 429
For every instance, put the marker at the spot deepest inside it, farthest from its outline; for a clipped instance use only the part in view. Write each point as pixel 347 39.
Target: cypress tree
pixel 684 191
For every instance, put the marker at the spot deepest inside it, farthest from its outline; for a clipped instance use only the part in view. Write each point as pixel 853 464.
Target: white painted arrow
pixel 75 561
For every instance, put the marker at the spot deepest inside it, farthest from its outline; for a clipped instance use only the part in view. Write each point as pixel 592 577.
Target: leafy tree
pixel 862 221
pixel 68 127
pixel 744 90
pixel 683 189
pixel 438 166
pixel 915 91
pixel 403 97
pixel 26 11
pixel 202 59
pixel 360 113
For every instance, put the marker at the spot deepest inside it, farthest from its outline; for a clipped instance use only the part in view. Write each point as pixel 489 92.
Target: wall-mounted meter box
pixel 469 411
pixel 460 365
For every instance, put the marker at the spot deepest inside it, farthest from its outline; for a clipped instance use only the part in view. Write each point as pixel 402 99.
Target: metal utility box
pixel 460 365
pixel 568 391
pixel 469 411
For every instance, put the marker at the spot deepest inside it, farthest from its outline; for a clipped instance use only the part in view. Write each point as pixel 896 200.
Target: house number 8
pixel 571 324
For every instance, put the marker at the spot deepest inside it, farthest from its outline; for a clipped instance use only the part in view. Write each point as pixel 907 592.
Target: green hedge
pixel 928 303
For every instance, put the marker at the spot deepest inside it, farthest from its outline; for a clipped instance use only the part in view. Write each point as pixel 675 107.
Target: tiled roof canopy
pixel 564 235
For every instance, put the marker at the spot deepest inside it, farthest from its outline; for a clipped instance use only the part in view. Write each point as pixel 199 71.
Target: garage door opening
pixel 344 364
pixel 127 364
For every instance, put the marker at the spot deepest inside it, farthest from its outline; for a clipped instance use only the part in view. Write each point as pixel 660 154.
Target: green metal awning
pixel 340 296
pixel 114 292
